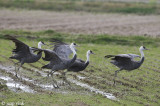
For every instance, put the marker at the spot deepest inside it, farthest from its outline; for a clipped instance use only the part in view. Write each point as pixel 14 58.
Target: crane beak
pixel 146 49
pixel 93 53
pixel 45 44
pixel 77 46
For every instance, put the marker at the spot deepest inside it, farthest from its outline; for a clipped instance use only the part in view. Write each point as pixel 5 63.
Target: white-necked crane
pixel 23 53
pixel 80 65
pixel 126 61
pixel 59 57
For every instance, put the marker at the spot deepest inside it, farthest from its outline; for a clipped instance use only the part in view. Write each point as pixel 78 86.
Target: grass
pixel 138 87
pixel 96 39
pixel 54 99
pixel 93 6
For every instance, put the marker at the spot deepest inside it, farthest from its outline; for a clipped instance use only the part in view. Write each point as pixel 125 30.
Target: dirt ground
pixel 80 22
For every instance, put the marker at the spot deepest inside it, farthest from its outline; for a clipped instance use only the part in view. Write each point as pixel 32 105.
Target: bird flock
pixel 59 57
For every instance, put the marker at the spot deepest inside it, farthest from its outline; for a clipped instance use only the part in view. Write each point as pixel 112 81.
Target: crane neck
pixel 73 50
pixel 142 57
pixel 39 55
pixel 73 59
pixel 142 54
pixel 39 45
pixel 87 57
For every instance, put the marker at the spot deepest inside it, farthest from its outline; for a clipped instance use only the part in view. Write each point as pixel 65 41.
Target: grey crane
pixel 57 60
pixel 33 49
pixel 126 61
pixel 79 64
pixel 62 49
pixel 23 53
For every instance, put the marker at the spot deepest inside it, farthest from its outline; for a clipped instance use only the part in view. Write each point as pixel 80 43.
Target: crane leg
pixel 65 79
pixel 18 71
pixel 115 75
pixel 15 69
pixel 55 85
pixel 50 73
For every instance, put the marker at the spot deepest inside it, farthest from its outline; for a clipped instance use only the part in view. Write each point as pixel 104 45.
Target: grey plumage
pixel 62 49
pixel 22 52
pixel 57 60
pixel 59 57
pixel 33 49
pixel 126 61
pixel 79 64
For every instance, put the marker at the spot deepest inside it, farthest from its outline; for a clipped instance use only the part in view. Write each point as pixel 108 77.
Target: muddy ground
pixel 32 80
pixel 80 22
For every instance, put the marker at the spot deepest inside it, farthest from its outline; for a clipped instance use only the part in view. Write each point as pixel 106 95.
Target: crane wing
pixel 80 61
pixel 131 56
pixel 62 49
pixel 121 61
pixel 134 55
pixel 20 46
pixel 51 56
pixel 125 58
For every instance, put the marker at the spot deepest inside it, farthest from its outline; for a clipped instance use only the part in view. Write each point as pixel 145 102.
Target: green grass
pixel 96 39
pixel 93 6
pixel 138 87
pixel 55 99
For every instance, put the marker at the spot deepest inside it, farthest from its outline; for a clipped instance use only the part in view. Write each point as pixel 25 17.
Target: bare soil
pixel 80 22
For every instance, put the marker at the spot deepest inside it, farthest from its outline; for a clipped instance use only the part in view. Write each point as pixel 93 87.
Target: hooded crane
pixel 24 53
pixel 79 64
pixel 126 61
pixel 57 60
pixel 62 49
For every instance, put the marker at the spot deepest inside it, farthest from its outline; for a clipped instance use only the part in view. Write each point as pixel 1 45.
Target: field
pixel 139 87
pixel 96 6
pixel 110 31
pixel 81 22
